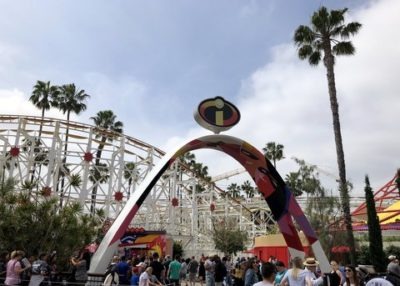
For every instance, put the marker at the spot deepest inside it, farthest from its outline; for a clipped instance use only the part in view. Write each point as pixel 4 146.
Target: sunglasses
pixel 349 270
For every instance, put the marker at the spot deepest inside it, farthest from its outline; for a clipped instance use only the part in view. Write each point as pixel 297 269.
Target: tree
pixel 304 180
pixel 177 249
pixel 107 128
pixel 320 208
pixel 295 184
pixel 41 226
pixel 234 190
pixel 274 152
pixel 398 180
pixel 248 189
pixel 227 236
pixel 188 158
pixel 70 99
pixel 377 254
pixel 130 174
pixel 313 42
pixel 43 97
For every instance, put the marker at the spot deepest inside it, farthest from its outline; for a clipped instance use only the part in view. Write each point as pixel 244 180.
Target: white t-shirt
pixel 378 282
pixel 263 283
pixel 300 280
pixel 144 279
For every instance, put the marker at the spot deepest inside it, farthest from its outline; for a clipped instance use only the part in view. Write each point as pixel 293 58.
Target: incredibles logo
pixel 217 114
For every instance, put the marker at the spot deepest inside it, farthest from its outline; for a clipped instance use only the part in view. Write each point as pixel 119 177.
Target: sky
pixel 152 62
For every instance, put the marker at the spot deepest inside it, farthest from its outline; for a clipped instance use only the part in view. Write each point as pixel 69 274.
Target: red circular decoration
pixel 212 207
pixel 46 191
pixel 14 151
pixel 88 157
pixel 118 196
pixel 175 202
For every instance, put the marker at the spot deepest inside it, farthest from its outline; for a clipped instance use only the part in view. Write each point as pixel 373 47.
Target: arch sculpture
pixel 280 200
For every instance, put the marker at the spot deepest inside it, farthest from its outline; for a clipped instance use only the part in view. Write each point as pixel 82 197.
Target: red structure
pixel 386 199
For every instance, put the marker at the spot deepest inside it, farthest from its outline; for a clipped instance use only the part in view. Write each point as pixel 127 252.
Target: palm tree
pixel 43 97
pixel 274 152
pixel 130 173
pixel 70 99
pixel 320 41
pixel 234 190
pixel 188 158
pixel 248 189
pixel 107 128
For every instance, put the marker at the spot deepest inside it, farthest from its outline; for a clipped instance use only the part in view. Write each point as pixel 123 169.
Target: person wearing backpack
pixel 40 270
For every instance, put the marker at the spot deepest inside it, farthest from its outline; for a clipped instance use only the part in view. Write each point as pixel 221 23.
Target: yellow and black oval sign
pixel 217 114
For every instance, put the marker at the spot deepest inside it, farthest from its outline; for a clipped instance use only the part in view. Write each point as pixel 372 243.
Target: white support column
pixel 16 143
pixel 3 158
pixel 52 154
pixel 110 185
pixel 85 177
pixel 120 171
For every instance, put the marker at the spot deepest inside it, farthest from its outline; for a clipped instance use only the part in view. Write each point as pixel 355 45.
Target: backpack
pixel 112 279
pixel 36 267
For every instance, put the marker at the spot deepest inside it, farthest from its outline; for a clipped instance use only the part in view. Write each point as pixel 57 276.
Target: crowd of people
pixel 16 269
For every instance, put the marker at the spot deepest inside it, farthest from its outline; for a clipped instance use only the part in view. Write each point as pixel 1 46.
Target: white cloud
pixel 14 101
pixel 287 101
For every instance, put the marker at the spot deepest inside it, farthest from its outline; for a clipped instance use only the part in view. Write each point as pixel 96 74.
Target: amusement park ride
pixel 139 186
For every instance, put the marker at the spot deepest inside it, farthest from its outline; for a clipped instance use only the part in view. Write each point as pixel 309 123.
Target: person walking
pixel 80 268
pixel 352 277
pixel 122 268
pixel 192 268
pixel 14 268
pixel 220 271
pixel 202 271
pixel 158 267
pixel 40 270
pixel 250 275
pixel 268 271
pixel 295 276
pixel 174 270
pixel 209 266
pixel 280 272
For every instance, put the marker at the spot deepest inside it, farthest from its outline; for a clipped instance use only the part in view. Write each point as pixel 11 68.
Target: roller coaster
pixel 60 158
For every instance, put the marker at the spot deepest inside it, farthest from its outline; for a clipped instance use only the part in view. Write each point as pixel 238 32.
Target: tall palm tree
pixel 43 97
pixel 131 174
pixel 70 99
pixel 320 41
pixel 234 190
pixel 188 158
pixel 248 189
pixel 107 128
pixel 274 152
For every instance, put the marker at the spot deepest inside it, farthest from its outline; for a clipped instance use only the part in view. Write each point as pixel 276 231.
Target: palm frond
pixel 350 29
pixel 314 58
pixel 343 48
pixel 303 34
pixel 320 20
pixel 336 17
pixel 305 51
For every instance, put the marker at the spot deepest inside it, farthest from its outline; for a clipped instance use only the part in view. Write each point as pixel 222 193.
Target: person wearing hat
pixel 142 267
pixel 393 266
pixel 145 277
pixel 393 270
pixel 311 267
